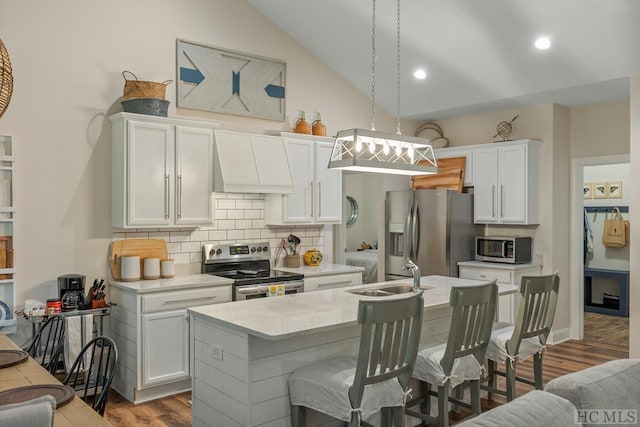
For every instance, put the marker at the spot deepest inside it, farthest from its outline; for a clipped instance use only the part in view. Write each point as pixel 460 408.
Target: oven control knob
pixel 259 249
pixel 266 249
pixel 219 251
pixel 253 249
pixel 212 252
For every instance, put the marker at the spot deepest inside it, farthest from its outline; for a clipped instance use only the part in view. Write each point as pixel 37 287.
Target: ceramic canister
pixel 130 268
pixel 167 268
pixel 151 268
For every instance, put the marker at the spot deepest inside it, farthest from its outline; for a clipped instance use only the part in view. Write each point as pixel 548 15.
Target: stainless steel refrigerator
pixel 432 227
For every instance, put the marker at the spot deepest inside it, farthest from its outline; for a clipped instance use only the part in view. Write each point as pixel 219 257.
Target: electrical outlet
pixel 216 352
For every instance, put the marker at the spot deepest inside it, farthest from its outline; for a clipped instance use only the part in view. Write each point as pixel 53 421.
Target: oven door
pixel 261 290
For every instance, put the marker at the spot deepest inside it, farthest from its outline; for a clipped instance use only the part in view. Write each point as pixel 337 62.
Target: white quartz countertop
pixel 499 265
pixel 178 282
pixel 311 312
pixel 322 269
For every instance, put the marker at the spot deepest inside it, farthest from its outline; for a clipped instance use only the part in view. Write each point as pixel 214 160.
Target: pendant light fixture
pixel 372 151
pixel 6 79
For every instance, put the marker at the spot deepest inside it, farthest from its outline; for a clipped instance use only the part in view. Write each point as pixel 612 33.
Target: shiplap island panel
pixel 243 353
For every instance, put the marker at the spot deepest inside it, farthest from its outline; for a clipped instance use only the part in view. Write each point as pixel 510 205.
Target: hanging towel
pixel 79 332
pixel 588 237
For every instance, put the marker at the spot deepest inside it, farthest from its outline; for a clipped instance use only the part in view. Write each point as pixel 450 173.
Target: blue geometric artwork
pixel 224 81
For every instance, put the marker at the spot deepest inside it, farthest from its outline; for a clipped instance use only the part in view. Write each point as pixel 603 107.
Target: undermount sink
pixel 385 291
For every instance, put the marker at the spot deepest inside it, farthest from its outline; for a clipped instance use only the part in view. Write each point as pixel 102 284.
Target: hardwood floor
pixel 606 338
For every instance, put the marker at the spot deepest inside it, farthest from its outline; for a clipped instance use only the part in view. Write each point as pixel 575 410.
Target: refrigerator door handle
pixel 415 238
pixel 407 232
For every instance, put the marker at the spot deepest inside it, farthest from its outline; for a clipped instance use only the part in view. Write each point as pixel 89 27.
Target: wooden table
pixel 74 413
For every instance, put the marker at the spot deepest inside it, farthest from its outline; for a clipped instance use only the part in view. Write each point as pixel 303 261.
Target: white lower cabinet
pixel 151 332
pixel 165 345
pixel 507 308
pixel 318 283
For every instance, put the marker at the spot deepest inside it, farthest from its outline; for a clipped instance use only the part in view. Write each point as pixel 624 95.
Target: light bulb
pixel 385 147
pixel 358 145
pixel 398 149
pixel 410 152
pixel 372 147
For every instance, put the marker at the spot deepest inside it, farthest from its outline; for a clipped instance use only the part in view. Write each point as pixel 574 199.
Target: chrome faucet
pixel 416 273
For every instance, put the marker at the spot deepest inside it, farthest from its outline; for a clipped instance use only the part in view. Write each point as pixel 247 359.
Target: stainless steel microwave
pixel 512 250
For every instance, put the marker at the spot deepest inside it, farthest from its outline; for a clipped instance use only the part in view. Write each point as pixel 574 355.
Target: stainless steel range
pixel 248 264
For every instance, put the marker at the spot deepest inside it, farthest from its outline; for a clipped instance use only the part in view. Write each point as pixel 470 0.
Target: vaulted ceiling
pixel 479 54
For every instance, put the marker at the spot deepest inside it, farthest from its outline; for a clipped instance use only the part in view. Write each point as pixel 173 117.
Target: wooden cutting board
pixel 144 248
pixel 450 175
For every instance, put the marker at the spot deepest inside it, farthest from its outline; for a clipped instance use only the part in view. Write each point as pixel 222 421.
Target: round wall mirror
pixel 353 210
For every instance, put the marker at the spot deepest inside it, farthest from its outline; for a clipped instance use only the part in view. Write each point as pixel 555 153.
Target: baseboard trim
pixel 559 335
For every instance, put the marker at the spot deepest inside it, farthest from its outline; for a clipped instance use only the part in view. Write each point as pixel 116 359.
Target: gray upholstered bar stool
pixel 460 359
pixel 352 388
pixel 527 337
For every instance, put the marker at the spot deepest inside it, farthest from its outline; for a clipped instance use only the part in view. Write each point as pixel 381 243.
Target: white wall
pixel 634 206
pixel 68 58
pixel 361 187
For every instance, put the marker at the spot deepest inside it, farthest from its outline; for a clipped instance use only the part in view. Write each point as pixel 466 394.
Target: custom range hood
pixel 249 163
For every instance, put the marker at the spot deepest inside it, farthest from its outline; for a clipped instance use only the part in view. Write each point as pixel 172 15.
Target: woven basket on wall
pixel 6 79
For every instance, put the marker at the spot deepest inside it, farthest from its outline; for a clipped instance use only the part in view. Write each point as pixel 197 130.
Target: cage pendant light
pixel 372 151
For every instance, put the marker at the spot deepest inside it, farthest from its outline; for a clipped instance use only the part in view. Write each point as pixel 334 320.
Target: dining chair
pixel 47 344
pixel 92 372
pixel 353 388
pixel 459 360
pixel 513 343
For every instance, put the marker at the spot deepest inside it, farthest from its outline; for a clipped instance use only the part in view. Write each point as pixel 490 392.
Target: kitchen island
pixel 243 353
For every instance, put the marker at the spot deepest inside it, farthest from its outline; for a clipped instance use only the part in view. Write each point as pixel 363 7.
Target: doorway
pixel 599 306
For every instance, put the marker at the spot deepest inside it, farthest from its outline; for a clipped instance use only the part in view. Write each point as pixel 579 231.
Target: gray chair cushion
pixel 611 385
pixel 31 413
pixel 536 408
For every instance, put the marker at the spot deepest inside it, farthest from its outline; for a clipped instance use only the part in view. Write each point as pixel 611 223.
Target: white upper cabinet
pixel 464 151
pixel 162 172
pixel 194 176
pixel 317 195
pixel 247 163
pixel 507 183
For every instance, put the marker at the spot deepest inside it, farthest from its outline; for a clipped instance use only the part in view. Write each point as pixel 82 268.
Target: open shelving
pixel 8 321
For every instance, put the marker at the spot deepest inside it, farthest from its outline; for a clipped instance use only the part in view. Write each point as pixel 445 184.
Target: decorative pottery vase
pixel 313 257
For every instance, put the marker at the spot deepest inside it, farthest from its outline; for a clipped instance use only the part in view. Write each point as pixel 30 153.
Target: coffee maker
pixel 71 291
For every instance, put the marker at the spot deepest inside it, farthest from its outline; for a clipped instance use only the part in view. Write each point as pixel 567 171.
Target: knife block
pixel 292 261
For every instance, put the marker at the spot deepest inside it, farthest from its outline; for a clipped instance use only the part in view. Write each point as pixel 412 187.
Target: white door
pixel 165 347
pixel 328 187
pixel 485 197
pixel 512 179
pixel 298 206
pixel 149 166
pixel 194 176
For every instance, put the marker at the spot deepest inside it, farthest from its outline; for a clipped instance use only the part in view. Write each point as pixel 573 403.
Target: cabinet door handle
pixel 166 196
pixel 311 199
pixel 179 301
pixel 493 200
pixel 502 201
pixel 319 200
pixel 179 196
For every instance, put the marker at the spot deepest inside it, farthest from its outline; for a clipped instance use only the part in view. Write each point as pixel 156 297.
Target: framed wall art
pixel 614 190
pixel 225 81
pixel 599 190
pixel 587 190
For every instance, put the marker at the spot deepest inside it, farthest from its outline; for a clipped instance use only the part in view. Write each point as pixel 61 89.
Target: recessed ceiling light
pixel 420 74
pixel 543 43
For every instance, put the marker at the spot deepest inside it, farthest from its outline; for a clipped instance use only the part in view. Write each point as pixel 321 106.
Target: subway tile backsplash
pixel 237 218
